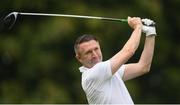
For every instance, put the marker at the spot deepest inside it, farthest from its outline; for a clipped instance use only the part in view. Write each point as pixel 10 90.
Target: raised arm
pixel 133 70
pixel 143 66
pixel 130 47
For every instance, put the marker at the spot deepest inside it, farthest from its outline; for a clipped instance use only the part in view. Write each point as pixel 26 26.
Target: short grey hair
pixel 82 39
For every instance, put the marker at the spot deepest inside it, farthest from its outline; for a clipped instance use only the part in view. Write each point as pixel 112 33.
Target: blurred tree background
pixel 37 63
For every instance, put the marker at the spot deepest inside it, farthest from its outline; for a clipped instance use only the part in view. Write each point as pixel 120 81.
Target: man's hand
pixel 147 28
pixel 134 22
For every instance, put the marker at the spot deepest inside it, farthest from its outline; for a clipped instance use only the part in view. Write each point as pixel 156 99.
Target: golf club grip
pixel 126 21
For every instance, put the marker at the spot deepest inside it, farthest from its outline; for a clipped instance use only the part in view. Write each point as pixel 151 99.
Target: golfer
pixel 103 81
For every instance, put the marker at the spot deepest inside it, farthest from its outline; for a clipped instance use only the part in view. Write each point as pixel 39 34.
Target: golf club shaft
pixel 15 14
pixel 74 16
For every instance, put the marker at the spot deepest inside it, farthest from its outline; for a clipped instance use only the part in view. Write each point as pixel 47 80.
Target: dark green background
pixel 37 63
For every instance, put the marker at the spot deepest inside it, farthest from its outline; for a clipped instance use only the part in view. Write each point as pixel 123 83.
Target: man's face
pixel 89 53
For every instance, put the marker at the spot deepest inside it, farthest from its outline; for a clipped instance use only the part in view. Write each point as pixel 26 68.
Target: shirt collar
pixel 83 69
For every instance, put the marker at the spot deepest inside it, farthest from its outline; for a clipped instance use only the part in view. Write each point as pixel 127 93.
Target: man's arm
pixel 143 66
pixel 130 47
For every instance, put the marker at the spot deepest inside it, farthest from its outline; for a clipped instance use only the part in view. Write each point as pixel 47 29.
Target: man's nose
pixel 94 54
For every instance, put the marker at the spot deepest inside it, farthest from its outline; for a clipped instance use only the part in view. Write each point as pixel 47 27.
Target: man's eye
pixel 88 52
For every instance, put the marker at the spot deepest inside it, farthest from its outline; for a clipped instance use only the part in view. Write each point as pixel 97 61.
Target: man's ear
pixel 78 57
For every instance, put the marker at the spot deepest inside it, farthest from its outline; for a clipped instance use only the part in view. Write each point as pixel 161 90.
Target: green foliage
pixel 37 63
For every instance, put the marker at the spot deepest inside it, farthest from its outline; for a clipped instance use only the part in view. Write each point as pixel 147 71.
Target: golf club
pixel 13 17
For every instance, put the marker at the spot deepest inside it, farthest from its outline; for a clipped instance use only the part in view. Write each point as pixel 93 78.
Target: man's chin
pixel 95 62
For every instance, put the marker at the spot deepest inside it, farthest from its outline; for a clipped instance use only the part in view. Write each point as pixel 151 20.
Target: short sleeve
pixel 100 72
pixel 120 71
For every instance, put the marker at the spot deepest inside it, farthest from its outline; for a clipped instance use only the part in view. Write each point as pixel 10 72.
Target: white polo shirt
pixel 101 87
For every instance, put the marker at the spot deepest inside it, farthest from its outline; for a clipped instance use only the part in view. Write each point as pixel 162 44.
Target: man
pixel 103 81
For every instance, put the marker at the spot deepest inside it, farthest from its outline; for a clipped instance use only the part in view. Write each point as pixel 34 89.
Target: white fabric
pixel 147 28
pixel 101 87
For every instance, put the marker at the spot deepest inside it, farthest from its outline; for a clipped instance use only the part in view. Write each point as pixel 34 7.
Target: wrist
pixel 151 36
pixel 138 26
